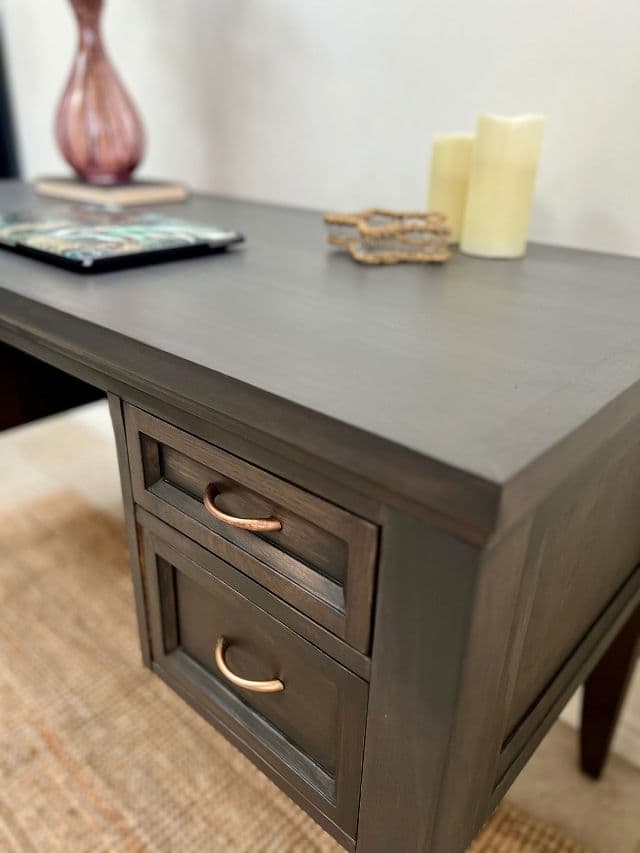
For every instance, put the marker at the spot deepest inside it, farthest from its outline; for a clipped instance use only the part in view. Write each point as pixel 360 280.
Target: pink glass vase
pixel 98 129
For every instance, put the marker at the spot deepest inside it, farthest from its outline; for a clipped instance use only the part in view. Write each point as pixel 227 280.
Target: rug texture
pixel 97 754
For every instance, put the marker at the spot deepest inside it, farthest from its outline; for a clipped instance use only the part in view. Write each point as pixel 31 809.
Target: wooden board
pixel 474 374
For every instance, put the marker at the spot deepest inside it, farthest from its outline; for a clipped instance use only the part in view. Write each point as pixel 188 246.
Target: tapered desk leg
pixel 604 693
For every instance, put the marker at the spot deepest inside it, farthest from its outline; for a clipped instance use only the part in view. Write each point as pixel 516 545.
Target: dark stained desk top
pixel 484 366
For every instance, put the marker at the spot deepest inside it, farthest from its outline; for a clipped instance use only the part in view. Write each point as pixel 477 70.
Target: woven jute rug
pixel 96 754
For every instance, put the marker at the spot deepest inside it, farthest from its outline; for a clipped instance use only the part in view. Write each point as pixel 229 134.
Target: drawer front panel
pixel 311 732
pixel 322 560
pixel 299 537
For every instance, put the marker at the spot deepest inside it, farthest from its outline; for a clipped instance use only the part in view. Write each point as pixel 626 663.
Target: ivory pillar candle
pixel 503 175
pixel 448 183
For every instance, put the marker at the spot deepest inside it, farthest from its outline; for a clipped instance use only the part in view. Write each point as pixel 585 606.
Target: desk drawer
pixel 308 725
pixel 319 558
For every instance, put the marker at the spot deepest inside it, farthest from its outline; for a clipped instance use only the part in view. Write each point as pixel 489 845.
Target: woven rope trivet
pixel 381 236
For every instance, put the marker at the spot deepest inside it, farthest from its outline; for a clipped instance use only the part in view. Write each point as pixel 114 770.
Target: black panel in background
pixel 31 389
pixel 9 166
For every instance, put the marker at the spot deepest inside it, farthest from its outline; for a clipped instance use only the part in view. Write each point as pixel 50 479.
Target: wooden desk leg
pixel 445 613
pixel 604 693
pixel 117 419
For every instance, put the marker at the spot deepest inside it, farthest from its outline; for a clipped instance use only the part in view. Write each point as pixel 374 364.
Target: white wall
pixel 332 104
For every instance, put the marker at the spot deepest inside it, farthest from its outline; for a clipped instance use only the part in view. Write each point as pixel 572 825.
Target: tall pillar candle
pixel 449 180
pixel 503 175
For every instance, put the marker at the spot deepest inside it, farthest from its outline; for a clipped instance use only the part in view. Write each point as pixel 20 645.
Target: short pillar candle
pixel 449 180
pixel 503 175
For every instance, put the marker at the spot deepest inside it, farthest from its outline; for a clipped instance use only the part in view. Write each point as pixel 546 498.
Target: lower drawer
pixel 297 712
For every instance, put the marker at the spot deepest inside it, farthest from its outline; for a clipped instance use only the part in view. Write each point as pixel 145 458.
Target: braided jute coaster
pixel 381 236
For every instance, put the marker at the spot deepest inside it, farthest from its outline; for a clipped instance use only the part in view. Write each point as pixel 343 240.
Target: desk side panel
pixel 584 545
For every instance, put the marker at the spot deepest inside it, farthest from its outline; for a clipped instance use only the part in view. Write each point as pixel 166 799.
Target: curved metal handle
pixel 273 686
pixel 257 525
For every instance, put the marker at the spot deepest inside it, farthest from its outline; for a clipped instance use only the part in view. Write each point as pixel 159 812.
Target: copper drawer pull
pixel 274 686
pixel 257 525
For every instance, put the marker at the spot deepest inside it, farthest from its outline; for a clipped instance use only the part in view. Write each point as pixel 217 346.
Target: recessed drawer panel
pixel 293 706
pixel 316 556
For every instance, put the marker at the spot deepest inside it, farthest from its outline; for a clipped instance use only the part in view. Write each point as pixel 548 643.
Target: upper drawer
pixel 319 558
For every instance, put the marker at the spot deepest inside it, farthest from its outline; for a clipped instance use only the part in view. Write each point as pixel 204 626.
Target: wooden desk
pixel 454 456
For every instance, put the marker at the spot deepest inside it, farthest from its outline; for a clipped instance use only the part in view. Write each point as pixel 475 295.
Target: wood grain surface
pixel 483 367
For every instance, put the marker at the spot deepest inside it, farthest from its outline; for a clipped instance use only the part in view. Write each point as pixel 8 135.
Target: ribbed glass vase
pixel 98 129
